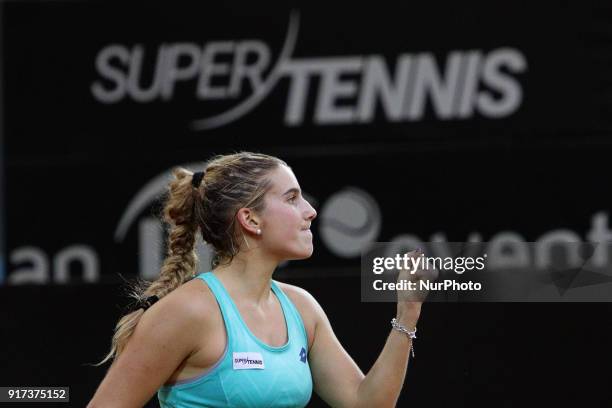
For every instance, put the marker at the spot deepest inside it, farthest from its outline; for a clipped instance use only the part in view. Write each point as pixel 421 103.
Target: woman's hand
pixel 409 301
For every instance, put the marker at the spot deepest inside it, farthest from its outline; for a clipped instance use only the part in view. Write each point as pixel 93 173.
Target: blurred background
pixel 403 122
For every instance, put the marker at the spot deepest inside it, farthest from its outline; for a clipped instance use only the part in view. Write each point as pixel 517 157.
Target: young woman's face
pixel 286 218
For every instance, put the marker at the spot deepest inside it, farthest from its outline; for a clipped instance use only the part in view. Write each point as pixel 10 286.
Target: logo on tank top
pixel 248 360
pixel 303 355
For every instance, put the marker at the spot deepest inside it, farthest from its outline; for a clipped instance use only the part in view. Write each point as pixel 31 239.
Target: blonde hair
pixel 230 182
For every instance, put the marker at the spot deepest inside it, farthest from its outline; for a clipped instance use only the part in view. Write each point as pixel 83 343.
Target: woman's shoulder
pixel 296 293
pixel 192 300
pixel 179 319
pixel 306 303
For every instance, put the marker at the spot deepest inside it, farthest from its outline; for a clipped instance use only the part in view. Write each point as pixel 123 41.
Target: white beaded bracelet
pixel 412 334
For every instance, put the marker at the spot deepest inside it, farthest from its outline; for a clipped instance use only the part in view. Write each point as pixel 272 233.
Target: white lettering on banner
pixel 348 90
pixel 404 97
pixel 124 69
pixel 350 219
pixel 248 360
pixel 39 271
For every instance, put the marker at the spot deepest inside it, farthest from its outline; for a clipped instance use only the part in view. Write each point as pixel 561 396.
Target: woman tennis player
pixel 234 337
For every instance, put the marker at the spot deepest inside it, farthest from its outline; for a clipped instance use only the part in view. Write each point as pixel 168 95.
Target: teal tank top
pixel 250 373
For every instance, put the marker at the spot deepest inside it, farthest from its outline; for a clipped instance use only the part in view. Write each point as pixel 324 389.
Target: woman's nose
pixel 312 213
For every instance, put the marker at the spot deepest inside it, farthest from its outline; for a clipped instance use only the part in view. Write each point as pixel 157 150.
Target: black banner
pixel 402 120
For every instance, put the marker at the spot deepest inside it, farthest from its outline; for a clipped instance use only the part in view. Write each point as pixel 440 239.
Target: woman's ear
pixel 249 221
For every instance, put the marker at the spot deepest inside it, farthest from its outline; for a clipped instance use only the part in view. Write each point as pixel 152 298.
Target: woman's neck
pixel 247 279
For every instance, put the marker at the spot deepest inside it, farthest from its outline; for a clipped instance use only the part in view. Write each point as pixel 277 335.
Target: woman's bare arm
pixel 339 381
pixel 337 378
pixel 166 334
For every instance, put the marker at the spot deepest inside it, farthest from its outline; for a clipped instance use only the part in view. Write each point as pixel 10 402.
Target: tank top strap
pixel 295 324
pixel 231 319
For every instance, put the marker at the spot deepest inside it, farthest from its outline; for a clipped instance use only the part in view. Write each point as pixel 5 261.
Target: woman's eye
pixel 292 199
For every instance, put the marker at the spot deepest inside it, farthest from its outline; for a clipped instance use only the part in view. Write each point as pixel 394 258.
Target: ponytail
pixel 182 212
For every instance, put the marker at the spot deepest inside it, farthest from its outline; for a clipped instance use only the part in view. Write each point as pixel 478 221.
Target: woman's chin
pixel 310 251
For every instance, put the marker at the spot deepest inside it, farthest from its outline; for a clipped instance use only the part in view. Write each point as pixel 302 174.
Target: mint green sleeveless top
pixel 250 373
